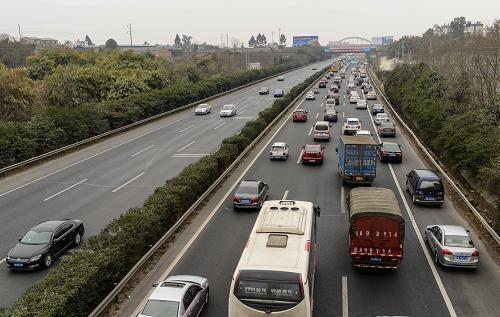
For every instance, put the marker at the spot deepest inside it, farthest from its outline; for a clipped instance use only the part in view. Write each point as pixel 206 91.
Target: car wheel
pixel 47 260
pixel 78 239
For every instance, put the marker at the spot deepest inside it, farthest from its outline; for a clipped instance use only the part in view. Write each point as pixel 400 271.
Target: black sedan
pixel 41 245
pixel 264 91
pixel 390 152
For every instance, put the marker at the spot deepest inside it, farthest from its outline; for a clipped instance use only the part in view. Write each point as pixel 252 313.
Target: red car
pixel 313 153
pixel 299 115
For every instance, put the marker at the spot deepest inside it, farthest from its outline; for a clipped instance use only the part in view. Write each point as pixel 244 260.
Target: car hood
pixel 25 251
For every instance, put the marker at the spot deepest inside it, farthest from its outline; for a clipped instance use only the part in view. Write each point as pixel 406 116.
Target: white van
pixel 321 131
pixel 275 274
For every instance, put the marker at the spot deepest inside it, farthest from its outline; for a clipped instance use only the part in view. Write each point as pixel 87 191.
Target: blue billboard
pixel 305 40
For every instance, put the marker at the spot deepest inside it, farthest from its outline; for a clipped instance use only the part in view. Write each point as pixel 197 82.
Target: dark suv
pixel 425 187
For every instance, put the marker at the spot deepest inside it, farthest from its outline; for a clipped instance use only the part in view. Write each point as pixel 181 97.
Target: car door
pixel 193 302
pixel 58 243
pixel 436 239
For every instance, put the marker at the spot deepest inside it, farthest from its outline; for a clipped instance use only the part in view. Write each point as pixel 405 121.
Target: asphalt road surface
pixel 417 288
pixel 100 182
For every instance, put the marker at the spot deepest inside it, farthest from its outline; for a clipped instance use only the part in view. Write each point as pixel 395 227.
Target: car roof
pixel 352 119
pixel 303 110
pixel 322 123
pixel 203 105
pixel 48 225
pixel 387 124
pixel 278 89
pixel 454 230
pixel 424 173
pixel 170 290
pixel 377 105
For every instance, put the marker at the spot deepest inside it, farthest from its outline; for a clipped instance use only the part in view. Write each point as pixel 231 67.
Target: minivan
pixel 321 131
pixel 425 187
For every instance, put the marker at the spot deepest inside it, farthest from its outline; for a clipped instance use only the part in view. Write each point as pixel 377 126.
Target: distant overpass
pixel 351 45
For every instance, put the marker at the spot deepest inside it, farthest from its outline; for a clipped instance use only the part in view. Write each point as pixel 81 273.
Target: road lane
pixel 115 181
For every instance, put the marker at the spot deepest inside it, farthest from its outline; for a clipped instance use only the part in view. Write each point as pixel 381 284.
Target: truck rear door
pixel 360 161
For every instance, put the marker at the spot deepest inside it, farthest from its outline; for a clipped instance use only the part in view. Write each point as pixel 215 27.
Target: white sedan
pixel 310 95
pixel 203 108
pixel 353 99
pixel 279 150
pixel 381 117
pixel 228 111
pixel 371 95
pixel 351 125
pixel 361 104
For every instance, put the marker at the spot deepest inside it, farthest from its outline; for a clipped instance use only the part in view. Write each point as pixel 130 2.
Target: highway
pixel 98 183
pixel 211 246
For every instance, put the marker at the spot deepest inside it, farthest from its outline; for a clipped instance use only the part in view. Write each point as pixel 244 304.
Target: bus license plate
pixel 376 259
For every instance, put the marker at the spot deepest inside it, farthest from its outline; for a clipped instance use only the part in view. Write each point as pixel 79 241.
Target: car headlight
pixel 35 258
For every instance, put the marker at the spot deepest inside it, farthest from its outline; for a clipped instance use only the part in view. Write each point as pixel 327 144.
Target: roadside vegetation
pixel 450 92
pixel 86 275
pixel 64 96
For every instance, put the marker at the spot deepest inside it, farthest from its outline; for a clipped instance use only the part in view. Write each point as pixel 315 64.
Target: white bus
pixel 275 274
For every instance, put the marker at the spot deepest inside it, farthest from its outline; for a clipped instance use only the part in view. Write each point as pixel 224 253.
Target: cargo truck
pixel 376 228
pixel 357 159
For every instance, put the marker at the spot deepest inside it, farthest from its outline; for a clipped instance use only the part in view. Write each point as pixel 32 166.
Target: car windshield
pixel 248 189
pixel 263 88
pixel 278 148
pixel 381 116
pixel 458 241
pixel 37 237
pixel 227 107
pixel 391 147
pixel 377 106
pixel 436 185
pixel 387 125
pixel 202 106
pixel 352 121
pixel 321 127
pixel 299 111
pixel 311 149
pixel 161 308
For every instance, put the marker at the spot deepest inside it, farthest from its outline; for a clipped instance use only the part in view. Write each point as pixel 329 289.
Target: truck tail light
pixel 475 253
pixel 447 252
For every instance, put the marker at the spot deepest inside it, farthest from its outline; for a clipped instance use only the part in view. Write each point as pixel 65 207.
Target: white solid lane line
pixel 439 282
pixel 300 156
pixel 220 125
pixel 185 146
pixel 342 199
pixel 310 131
pixel 130 181
pixel 142 151
pixel 94 155
pixel 345 301
pixel 187 128
pixel 66 189
pixel 285 195
pixel 214 211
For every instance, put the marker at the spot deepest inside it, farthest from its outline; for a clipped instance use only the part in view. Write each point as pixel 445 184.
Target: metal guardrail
pixel 132 125
pixel 490 230
pixel 119 287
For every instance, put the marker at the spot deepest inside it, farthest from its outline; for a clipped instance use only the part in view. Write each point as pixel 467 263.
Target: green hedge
pixel 86 275
pixel 55 127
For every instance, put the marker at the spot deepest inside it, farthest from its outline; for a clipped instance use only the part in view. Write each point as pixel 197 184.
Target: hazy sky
pixel 157 21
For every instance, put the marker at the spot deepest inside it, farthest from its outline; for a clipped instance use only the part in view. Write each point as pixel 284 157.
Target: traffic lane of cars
pixel 99 215
pixel 116 167
pixel 467 299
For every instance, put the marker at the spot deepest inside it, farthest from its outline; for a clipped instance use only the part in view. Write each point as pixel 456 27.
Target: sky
pixel 157 21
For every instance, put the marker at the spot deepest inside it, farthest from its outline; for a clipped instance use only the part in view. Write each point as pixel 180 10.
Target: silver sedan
pixel 177 296
pixel 451 246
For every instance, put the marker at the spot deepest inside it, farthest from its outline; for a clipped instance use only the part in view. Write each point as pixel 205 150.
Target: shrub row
pixel 55 127
pixel 86 275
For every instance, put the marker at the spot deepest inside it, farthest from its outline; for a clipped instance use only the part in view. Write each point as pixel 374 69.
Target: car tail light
pixel 399 154
pixel 235 198
pixel 385 152
pixel 447 252
pixel 419 192
pixel 475 253
pixel 301 286
pixel 255 199
pixel 307 246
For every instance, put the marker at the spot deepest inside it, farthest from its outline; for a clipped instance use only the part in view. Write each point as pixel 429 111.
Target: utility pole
pixel 279 36
pixel 272 38
pixel 19 29
pixel 227 40
pixel 130 33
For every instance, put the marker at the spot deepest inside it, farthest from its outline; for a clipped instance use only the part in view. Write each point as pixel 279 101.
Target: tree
pixel 186 42
pixel 458 27
pixel 283 39
pixel 111 44
pixel 177 41
pixel 88 40
pixel 17 94
pixel 252 41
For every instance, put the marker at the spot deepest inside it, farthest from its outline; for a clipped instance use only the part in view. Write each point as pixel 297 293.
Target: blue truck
pixel 357 159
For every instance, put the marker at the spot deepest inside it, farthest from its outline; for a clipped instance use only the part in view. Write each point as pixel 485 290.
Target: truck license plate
pixel 359 178
pixel 376 259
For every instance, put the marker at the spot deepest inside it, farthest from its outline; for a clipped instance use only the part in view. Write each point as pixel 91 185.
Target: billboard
pixel 383 40
pixel 305 40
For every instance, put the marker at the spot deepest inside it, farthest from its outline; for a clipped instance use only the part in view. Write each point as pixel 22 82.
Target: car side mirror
pixel 303 147
pixel 317 211
pixel 155 284
pixel 407 175
pixel 337 150
pixel 323 147
pixel 19 239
